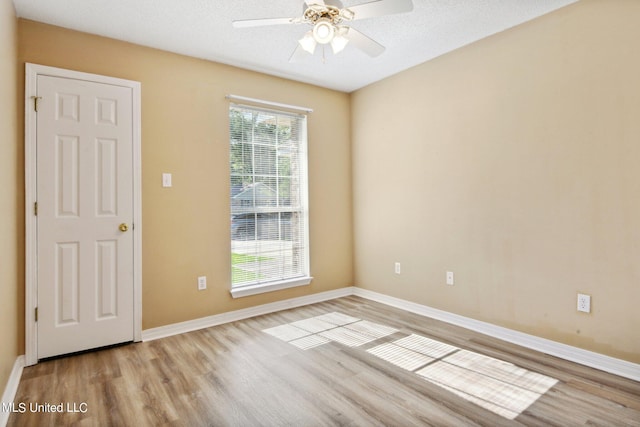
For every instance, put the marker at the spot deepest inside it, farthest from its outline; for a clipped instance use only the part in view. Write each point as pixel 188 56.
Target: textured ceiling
pixel 202 28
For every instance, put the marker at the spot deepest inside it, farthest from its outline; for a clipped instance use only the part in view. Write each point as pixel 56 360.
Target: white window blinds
pixel 268 172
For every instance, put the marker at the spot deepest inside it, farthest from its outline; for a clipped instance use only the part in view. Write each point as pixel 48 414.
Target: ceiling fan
pixel 327 18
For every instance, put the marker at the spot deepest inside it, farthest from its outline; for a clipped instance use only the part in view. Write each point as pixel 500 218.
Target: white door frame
pixel 32 71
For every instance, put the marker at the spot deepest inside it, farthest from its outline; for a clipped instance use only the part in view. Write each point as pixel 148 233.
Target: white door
pixel 85 282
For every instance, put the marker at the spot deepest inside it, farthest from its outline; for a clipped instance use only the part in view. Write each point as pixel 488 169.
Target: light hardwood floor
pixel 238 375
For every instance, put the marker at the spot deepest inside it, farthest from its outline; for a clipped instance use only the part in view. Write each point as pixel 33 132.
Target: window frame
pixel 253 288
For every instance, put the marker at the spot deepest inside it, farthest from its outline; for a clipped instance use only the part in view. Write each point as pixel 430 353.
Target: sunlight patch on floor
pixel 402 357
pixel 493 384
pixel 426 346
pixel 330 327
pixel 505 399
pixel 309 341
pixel 496 385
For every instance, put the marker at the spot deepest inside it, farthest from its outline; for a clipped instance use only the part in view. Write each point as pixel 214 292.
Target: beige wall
pixel 512 162
pixel 185 132
pixel 10 196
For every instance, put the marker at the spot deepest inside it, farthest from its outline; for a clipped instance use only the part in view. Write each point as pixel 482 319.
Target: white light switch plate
pixel 166 180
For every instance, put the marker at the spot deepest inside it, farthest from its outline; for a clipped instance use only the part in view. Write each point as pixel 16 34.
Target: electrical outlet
pixel 397 268
pixel 584 303
pixel 449 277
pixel 202 283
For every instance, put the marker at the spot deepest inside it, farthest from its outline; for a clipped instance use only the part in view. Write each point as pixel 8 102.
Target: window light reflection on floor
pixel 496 385
pixel 336 327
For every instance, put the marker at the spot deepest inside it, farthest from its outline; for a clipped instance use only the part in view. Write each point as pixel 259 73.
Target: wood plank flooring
pixel 238 375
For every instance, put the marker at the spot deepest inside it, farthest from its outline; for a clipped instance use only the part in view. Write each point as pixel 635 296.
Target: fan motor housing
pixel 315 13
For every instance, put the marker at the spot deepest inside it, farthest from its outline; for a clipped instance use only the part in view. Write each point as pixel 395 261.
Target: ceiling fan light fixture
pixel 347 14
pixel 324 31
pixel 339 43
pixel 325 17
pixel 308 43
pixel 340 39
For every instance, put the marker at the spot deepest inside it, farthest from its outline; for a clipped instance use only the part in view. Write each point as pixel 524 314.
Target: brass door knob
pixel 124 227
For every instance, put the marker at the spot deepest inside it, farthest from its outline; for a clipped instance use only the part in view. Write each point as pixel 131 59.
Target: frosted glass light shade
pixel 323 31
pixel 308 43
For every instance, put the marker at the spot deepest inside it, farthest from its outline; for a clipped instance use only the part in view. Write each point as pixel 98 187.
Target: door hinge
pixel 35 102
pixel 35 208
pixel 36 314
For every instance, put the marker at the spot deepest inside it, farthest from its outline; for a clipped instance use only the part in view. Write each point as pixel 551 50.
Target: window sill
pixel 261 288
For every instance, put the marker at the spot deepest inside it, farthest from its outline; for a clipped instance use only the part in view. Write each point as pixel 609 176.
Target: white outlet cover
pixel 584 303
pixel 449 277
pixel 397 268
pixel 202 283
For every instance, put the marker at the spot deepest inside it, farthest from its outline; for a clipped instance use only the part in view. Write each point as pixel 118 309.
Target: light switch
pixel 166 180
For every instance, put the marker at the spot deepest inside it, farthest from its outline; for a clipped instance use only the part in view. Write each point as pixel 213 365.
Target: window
pixel 269 219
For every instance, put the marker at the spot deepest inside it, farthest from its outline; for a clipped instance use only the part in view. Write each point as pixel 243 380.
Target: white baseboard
pixel 574 354
pixel 232 316
pixel 584 357
pixel 599 361
pixel 11 388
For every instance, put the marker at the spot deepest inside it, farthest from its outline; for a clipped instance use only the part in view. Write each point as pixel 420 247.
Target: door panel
pixel 66 284
pixel 107 177
pixel 84 192
pixel 66 176
pixel 107 284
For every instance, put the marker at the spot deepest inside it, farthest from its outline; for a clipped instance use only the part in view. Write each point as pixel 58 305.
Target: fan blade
pixel 322 3
pixel 364 43
pixel 245 23
pixel 381 7
pixel 336 3
pixel 298 54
